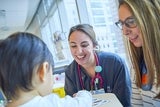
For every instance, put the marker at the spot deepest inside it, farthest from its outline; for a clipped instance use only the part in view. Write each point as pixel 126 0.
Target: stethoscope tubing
pixel 98 76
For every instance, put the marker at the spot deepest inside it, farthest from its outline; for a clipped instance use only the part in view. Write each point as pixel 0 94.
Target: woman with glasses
pixel 139 21
pixel 98 72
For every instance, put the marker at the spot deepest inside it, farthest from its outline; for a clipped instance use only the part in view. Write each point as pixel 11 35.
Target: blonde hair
pixel 147 15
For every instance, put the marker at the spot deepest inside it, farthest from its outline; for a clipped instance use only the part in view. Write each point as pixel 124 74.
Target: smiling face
pixel 133 34
pixel 81 47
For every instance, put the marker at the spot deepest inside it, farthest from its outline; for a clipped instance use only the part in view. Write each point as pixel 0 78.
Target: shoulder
pixel 72 64
pixel 71 67
pixel 109 56
pixel 50 100
pixel 39 101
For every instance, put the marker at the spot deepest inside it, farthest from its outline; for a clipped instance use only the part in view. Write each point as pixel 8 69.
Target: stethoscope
pixel 97 78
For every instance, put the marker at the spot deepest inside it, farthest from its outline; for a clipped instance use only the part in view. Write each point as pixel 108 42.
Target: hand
pixel 74 95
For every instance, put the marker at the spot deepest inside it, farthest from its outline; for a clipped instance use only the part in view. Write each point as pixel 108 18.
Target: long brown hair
pixel 147 14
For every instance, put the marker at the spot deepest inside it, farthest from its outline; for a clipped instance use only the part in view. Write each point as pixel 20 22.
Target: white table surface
pixel 113 100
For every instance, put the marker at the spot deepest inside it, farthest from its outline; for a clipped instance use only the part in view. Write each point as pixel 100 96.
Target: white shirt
pixel 82 99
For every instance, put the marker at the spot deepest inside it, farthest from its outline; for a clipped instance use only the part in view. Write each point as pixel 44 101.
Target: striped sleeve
pixel 142 98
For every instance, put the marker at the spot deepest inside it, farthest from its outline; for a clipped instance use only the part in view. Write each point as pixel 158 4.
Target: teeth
pixel 80 56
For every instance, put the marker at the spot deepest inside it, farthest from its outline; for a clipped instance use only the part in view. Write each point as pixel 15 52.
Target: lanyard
pixel 95 80
pixel 144 77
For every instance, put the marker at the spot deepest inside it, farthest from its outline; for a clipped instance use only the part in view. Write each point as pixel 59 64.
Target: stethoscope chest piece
pixel 98 68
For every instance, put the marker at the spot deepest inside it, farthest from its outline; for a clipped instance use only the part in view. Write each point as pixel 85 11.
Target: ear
pixel 43 69
pixel 96 48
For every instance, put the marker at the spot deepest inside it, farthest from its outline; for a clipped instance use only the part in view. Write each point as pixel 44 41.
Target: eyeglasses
pixel 130 22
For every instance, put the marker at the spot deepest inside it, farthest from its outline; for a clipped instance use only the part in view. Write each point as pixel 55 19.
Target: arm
pixel 71 80
pixel 82 99
pixel 116 77
pixel 122 83
pixel 69 87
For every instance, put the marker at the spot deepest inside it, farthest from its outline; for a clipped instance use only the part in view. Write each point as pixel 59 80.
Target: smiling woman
pixel 93 70
pixel 128 25
pixel 144 48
